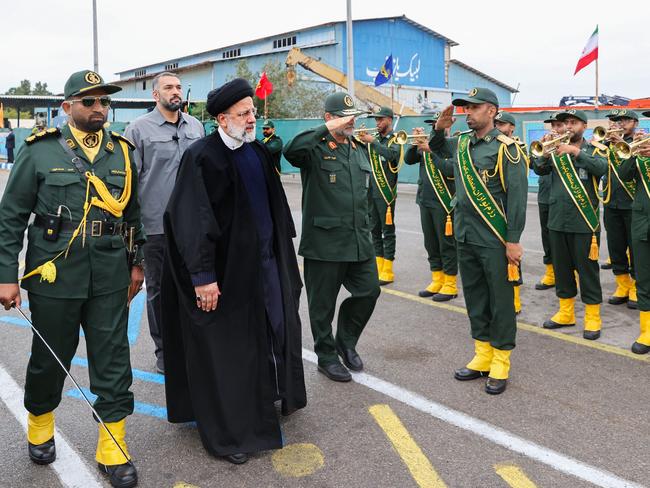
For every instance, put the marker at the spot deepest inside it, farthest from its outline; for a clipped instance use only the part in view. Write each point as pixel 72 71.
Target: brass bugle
pixel 401 137
pixel 540 149
pixel 624 150
pixel 600 133
pixel 365 130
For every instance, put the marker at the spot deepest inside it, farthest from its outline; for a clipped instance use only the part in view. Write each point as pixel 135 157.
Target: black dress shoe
pixel 466 374
pixel 542 286
pixel 425 294
pixel 638 348
pixel 120 475
pixel 335 372
pixel 549 324
pixel 494 386
pixel 617 300
pixel 606 266
pixel 42 453
pixel 239 458
pixel 443 297
pixel 591 335
pixel 350 358
pixel 632 304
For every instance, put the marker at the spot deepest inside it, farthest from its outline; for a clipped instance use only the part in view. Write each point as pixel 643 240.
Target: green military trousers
pixel 571 253
pixel 618 223
pixel 104 321
pixel 543 209
pixel 441 249
pixel 489 296
pixel 642 266
pixel 323 280
pixel 383 236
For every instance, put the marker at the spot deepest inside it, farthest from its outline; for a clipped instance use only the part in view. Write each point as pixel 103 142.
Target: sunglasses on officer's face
pixel 90 101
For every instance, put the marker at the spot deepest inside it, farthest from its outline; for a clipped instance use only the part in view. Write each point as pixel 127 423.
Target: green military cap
pixel 572 112
pixel 551 118
pixel 505 117
pixel 342 104
pixel 85 80
pixel 477 95
pixel 434 117
pixel 622 113
pixel 268 124
pixel 383 112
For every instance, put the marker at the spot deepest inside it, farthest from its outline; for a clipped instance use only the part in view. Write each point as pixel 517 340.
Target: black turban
pixel 224 97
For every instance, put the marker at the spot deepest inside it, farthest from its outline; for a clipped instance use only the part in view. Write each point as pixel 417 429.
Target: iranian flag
pixel 589 53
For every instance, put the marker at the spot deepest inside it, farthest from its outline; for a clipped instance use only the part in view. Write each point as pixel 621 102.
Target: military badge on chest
pixel 91 140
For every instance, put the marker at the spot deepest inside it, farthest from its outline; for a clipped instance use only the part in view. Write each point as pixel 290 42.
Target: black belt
pixel 94 228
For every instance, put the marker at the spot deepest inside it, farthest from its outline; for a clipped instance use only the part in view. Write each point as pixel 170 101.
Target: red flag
pixel 264 87
pixel 589 53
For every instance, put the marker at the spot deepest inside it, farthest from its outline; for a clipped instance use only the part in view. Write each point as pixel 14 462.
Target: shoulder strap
pixel 75 160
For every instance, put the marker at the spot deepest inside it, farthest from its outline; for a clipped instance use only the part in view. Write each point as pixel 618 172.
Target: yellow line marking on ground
pixel 529 328
pixel 417 463
pixel 298 460
pixel 182 484
pixel 514 476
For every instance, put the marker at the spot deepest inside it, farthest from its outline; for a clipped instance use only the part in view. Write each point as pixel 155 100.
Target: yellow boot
pixel 449 289
pixel 622 292
pixel 499 370
pixel 548 280
pixel 565 317
pixel 108 453
pixel 632 298
pixel 642 344
pixel 480 363
pixel 434 286
pixel 380 264
pixel 386 276
pixel 516 290
pixel 40 436
pixel 593 322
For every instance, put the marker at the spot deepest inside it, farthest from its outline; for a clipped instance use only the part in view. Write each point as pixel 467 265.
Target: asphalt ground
pixel 576 413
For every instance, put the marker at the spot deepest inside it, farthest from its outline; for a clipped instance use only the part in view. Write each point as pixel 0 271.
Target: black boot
pixel 238 458
pixel 42 453
pixel 466 374
pixel 494 386
pixel 120 475
pixel 638 348
pixel 350 358
pixel 335 372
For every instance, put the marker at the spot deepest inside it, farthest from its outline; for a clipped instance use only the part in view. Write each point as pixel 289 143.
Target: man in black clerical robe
pixel 231 287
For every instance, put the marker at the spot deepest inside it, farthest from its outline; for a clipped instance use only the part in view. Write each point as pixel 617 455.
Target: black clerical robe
pixel 216 363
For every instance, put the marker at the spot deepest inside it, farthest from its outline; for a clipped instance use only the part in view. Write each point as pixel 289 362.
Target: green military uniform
pixel 440 247
pixel 639 168
pixel 91 280
pixel 501 165
pixel 274 145
pixel 335 241
pixel 618 222
pixel 572 239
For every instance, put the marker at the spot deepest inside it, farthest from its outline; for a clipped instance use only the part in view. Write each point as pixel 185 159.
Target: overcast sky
pixel 531 44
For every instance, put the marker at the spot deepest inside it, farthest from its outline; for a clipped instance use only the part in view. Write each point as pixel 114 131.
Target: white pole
pixel 350 49
pixel 596 83
pixel 95 50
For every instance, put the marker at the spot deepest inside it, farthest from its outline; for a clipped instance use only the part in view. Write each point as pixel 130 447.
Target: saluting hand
pixel 446 119
pixel 337 123
pixel 207 296
pixel 9 295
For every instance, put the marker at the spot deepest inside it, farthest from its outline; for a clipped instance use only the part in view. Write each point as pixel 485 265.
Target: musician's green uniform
pixel 481 254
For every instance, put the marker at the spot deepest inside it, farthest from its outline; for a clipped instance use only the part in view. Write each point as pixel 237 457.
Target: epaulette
pixel 505 139
pixel 42 134
pixel 120 137
pixel 600 146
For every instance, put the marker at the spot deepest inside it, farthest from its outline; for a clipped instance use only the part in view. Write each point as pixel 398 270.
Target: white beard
pixel 241 134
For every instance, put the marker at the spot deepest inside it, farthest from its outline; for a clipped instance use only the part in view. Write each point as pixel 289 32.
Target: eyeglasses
pixel 90 101
pixel 245 114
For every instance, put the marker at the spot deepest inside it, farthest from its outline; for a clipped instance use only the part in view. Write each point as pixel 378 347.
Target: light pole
pixel 95 55
pixel 350 49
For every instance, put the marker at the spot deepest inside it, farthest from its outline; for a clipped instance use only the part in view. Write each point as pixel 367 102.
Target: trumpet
pixel 401 138
pixel 365 130
pixel 624 150
pixel 541 149
pixel 600 133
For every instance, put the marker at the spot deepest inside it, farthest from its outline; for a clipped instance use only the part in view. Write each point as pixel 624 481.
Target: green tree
pixel 41 89
pixel 25 88
pixel 302 100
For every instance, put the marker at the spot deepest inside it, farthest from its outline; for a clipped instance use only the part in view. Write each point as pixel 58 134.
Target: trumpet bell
pixel 600 133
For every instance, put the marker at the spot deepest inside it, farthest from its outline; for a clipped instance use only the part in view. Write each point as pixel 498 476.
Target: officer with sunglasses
pixel 80 182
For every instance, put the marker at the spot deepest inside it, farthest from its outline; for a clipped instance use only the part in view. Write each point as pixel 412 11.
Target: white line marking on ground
pixel 551 458
pixel 69 467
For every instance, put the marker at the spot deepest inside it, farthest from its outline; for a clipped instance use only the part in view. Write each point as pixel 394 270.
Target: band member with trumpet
pixel 385 158
pixel 543 194
pixel 434 197
pixel 491 173
pixel 574 223
pixel 638 167
pixel 506 124
pixel 617 202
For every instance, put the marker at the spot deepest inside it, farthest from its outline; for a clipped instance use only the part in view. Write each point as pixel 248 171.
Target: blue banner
pixel 385 72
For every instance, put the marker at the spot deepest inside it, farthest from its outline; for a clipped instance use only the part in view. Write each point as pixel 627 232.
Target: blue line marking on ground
pixel 139 407
pixel 137 374
pixel 20 322
pixel 135 316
